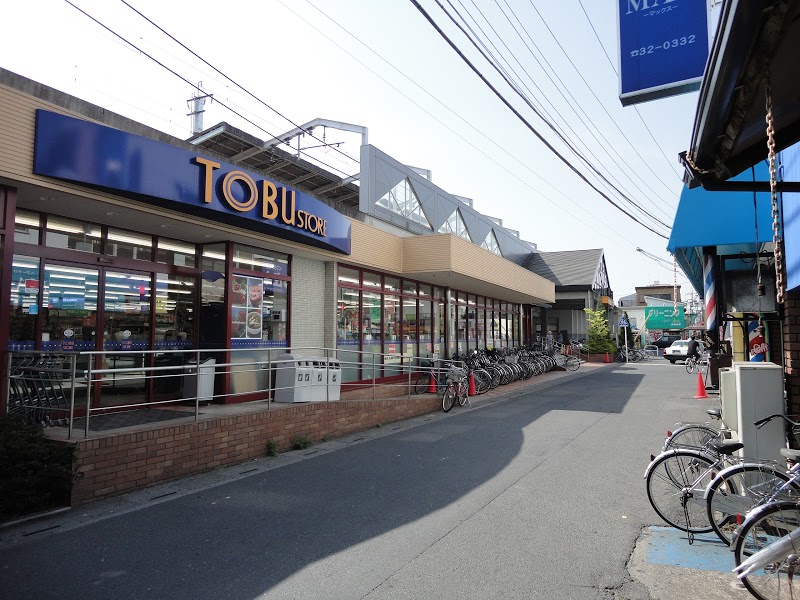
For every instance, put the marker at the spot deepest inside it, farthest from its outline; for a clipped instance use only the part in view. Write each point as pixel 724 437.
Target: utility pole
pixel 196 104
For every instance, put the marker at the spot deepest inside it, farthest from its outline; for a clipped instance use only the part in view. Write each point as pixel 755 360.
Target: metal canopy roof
pixel 248 151
pixel 754 38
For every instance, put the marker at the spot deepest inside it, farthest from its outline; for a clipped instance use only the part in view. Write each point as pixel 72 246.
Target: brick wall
pixel 120 463
pixel 791 346
pixel 308 303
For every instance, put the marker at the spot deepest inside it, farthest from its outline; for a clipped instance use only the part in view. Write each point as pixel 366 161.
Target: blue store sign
pixel 663 48
pixel 168 176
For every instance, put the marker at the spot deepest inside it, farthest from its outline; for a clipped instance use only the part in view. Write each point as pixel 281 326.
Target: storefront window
pixel 453 328
pixel 24 306
pixel 180 254
pixel 69 313
pixel 391 332
pixel 439 332
pixel 481 326
pixel 425 328
pixel 129 245
pixel 472 323
pixel 425 290
pixel 127 311
pixel 349 276
pixel 175 299
pixel 247 300
pixel 462 323
pixel 26 227
pixel 410 328
pixel 372 280
pixel 371 333
pixel 73 235
pixel 409 288
pixel 348 332
pixel 275 311
pixel 262 261
pixel 391 284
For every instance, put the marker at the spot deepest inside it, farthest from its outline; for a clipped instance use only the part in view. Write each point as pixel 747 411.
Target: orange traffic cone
pixel 608 358
pixel 432 385
pixel 472 391
pixel 701 388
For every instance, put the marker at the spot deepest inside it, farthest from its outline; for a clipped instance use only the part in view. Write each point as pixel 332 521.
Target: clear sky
pixel 378 63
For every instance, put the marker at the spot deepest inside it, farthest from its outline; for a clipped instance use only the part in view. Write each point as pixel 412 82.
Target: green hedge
pixel 36 473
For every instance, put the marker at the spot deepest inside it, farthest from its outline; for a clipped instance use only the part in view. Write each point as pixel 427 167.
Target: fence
pixel 54 388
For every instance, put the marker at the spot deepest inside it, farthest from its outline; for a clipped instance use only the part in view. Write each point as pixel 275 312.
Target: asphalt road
pixel 535 496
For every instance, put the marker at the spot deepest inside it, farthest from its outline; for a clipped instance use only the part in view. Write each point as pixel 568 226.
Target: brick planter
pixel 123 462
pixel 601 357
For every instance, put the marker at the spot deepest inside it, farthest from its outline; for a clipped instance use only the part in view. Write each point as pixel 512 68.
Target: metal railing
pixel 52 387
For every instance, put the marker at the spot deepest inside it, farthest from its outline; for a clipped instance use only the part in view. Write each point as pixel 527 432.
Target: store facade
pixel 120 240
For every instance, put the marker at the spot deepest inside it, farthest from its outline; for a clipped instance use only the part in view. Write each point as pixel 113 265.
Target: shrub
pixel 272 448
pixel 599 338
pixel 36 473
pixel 302 442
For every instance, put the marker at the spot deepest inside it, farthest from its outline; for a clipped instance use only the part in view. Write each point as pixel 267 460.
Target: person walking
pixel 549 343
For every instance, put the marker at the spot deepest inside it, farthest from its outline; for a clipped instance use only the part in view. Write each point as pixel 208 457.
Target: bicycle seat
pixel 791 453
pixel 714 412
pixel 725 447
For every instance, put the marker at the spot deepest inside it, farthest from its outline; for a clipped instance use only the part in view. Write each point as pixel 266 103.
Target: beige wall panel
pixel 427 253
pixel 374 248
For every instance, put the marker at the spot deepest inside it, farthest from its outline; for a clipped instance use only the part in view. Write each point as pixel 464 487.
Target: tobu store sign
pixel 663 47
pixel 165 175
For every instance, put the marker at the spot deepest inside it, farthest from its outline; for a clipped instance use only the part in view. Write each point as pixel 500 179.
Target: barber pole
pixel 710 293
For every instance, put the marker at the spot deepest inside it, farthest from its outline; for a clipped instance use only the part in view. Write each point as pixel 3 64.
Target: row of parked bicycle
pixel 488 369
pixel 698 484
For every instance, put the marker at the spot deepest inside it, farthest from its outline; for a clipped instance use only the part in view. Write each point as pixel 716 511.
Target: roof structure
pixel 567 268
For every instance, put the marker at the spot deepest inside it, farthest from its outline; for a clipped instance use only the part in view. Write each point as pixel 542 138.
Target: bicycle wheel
pixel 571 363
pixel 463 395
pixel 675 484
pixel 421 383
pixel 449 398
pixel 689 365
pixel 738 489
pixel 764 527
pixel 692 435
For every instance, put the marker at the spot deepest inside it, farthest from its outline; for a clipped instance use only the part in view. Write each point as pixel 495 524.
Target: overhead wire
pixel 527 123
pixel 237 84
pixel 626 194
pixel 182 78
pixel 671 163
pixel 493 62
pixel 556 190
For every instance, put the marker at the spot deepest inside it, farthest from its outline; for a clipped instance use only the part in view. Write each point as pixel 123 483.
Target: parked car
pixel 665 341
pixel 677 351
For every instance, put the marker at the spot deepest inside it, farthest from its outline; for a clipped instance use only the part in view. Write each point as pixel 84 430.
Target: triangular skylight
pixel 402 200
pixel 455 225
pixel 490 243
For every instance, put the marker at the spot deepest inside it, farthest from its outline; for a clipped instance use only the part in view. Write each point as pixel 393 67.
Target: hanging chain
pixel 695 167
pixel 773 183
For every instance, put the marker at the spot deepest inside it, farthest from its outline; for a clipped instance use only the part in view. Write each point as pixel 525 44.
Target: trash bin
pixel 334 379
pixel 319 378
pixel 292 378
pixel 205 393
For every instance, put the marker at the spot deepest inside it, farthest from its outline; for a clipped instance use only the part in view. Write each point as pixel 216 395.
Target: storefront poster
pixel 247 296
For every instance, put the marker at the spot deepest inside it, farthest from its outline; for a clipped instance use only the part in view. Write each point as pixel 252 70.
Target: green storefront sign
pixel 664 317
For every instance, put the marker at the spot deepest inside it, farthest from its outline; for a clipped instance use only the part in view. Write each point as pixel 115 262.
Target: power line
pixel 636 108
pixel 182 78
pixel 526 122
pixel 553 128
pixel 635 205
pixel 241 87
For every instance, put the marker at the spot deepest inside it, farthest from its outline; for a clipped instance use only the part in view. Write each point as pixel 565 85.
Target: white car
pixel 677 351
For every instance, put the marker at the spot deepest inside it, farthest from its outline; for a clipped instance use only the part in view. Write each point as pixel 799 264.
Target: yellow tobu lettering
pixel 269 209
pixel 289 220
pixel 248 183
pixel 208 172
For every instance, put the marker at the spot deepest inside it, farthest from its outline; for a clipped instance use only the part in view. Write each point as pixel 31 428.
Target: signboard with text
pixel 665 317
pixel 663 47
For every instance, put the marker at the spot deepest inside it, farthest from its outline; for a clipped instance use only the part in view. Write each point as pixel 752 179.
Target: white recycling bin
pixel 202 386
pixel 334 379
pixel 319 378
pixel 292 378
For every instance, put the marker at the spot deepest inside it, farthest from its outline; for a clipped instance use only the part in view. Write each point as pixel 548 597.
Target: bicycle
pixel 433 374
pixel 696 362
pixel 570 363
pixel 457 388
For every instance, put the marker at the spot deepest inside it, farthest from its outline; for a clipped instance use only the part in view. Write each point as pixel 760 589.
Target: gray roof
pixel 570 267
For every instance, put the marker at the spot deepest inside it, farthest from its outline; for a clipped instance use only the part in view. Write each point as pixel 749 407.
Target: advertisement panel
pixel 663 47
pixel 665 317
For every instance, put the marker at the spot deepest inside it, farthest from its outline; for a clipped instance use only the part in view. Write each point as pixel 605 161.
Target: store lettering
pixel 636 5
pixel 276 202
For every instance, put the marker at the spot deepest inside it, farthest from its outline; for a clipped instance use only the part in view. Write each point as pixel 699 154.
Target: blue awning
pixel 790 158
pixel 720 219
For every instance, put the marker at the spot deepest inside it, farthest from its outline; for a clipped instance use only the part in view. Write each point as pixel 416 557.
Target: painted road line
pixel 668 546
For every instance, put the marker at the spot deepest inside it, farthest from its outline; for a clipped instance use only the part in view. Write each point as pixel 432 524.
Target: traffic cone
pixel 701 388
pixel 432 385
pixel 608 358
pixel 473 391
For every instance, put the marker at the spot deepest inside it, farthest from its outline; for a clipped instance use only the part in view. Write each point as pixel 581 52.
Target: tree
pixel 599 338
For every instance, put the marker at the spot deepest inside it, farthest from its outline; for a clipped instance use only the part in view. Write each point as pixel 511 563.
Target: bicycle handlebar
pixel 761 422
